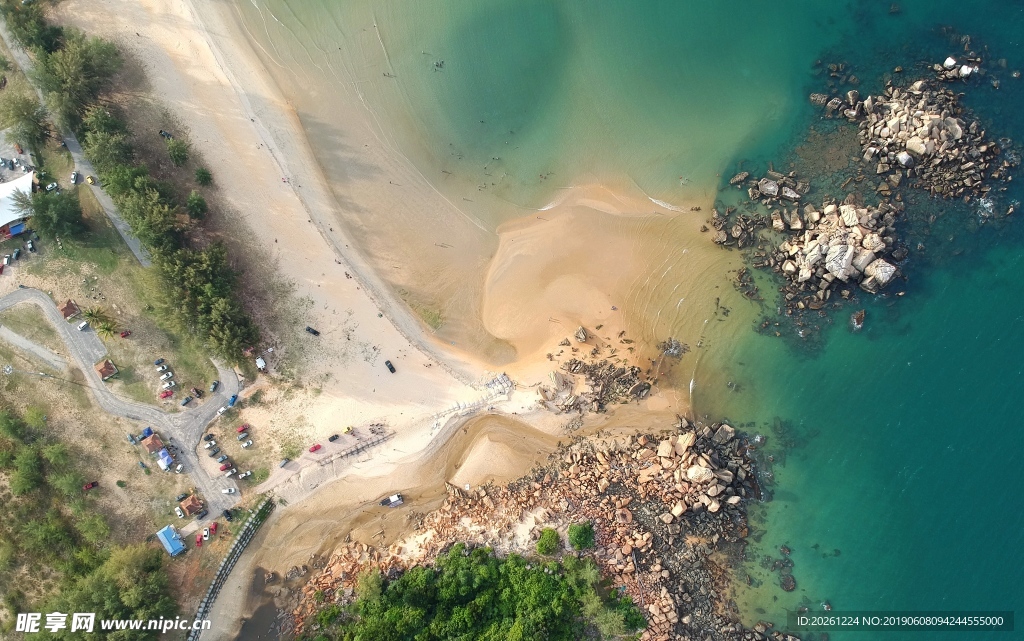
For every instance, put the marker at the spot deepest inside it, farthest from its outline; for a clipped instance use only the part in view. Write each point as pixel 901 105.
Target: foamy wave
pixel 662 203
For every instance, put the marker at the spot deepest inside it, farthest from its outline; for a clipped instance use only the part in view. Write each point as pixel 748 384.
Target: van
pixel 82 326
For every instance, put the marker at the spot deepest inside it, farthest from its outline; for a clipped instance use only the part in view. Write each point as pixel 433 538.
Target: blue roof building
pixel 171 540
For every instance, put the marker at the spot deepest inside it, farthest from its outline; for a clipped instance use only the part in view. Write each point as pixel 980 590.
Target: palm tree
pixel 96 315
pixel 106 329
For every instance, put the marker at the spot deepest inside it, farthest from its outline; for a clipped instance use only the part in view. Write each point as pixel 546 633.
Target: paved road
pixel 82 164
pixel 40 352
pixel 184 429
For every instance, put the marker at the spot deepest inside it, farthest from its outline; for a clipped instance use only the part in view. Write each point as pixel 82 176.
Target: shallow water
pixel 901 450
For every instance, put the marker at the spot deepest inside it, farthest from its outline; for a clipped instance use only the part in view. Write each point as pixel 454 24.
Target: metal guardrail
pixel 245 535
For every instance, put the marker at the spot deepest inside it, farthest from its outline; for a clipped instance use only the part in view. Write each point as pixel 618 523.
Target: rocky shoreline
pixel 919 137
pixel 669 519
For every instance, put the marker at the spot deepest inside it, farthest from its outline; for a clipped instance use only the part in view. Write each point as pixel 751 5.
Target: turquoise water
pixel 903 451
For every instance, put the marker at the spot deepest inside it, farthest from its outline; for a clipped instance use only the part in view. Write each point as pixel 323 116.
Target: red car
pixel 315 447
pixel 243 428
pixel 199 539
pixel 166 393
pixel 126 333
pixel 89 486
pixel 225 467
pixel 213 528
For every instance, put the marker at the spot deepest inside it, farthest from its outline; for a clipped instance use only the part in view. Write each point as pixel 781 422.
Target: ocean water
pixel 896 450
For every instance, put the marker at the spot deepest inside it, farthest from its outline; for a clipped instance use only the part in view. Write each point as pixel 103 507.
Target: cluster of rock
pixel 841 246
pixel 923 134
pixel 660 510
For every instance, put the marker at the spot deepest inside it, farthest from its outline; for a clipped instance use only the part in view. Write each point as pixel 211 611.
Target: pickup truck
pixel 392 501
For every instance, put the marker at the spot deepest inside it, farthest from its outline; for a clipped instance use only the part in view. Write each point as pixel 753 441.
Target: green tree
pixel 53 213
pixel 74 75
pixel 203 176
pixel 28 471
pixel 11 427
pixel 35 417
pixel 581 535
pixel 178 151
pixel 196 205
pixel 107 150
pixel 93 528
pixel 23 115
pixel 69 483
pixel 96 315
pixel 56 454
pixel 28 24
pixel 106 329
pixel 549 542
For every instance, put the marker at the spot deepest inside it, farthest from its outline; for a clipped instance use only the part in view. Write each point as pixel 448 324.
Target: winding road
pixel 182 429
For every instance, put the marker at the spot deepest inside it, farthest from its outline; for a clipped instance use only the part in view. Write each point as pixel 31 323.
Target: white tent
pixel 8 213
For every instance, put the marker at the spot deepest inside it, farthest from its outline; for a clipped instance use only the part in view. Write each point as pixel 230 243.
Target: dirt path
pixel 183 430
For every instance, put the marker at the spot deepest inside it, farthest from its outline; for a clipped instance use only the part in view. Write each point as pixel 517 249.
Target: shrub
pixel 549 542
pixel 581 535
pixel 203 176
pixel 196 205
pixel 178 151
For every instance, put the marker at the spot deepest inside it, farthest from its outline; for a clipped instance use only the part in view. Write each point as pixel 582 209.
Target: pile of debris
pixel 660 508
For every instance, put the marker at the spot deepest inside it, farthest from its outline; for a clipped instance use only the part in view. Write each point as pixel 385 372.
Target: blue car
pixel 231 401
pixel 158 361
pixel 213 386
pixel 186 401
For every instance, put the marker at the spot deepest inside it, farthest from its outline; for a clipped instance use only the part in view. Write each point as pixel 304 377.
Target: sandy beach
pixel 508 296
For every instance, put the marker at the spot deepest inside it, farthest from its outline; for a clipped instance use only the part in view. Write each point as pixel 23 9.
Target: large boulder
pixel 881 271
pixel 873 242
pixel 724 434
pixel 906 159
pixel 839 260
pixel 848 214
pixel 863 258
pixel 917 146
pixel 698 474
pixel 768 187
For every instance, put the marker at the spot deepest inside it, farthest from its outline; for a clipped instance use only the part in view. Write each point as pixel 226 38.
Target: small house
pixel 70 309
pixel 191 505
pixel 171 540
pixel 106 369
pixel 153 444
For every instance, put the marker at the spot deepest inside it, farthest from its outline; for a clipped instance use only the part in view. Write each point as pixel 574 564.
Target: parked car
pixel 206 534
pixel 166 375
pixel 17 254
pixel 210 442
pixel 198 393
pixel 89 486
pixel 392 501
pixel 332 438
pixel 166 393
pixel 208 437
pixel 213 528
pixel 142 465
pixel 181 497
pixel 312 331
pixel 91 180
pixel 161 368
pixel 247 444
pixel 202 514
pixel 131 439
pixel 229 490
pixel 214 385
pixel 226 466
pixel 245 474
pixel 244 427
pixel 222 410
pixel 221 459
pixel 233 400
pixel 126 333
pixel 214 452
pixel 243 436
pixel 169 384
pixel 7 259
pixel 391 368
pixel 231 471
pixel 199 539
pixel 159 361
pixel 227 513
pixel 177 510
pixel 283 462
pixel 81 326
pixel 314 447
pixel 31 246
pixel 186 400
pixel 179 469
pixel 51 186
pixel 74 178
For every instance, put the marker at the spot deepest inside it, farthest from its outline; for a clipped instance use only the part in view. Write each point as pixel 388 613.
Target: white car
pixel 161 368
pixel 166 375
pixel 74 178
pixel 209 444
pixel 169 384
pixel 178 469
pixel 222 410
pixel 230 490
pixel 177 510
pixel 230 472
pixel 206 534
pixel 82 326
pixel 247 443
pixel 245 474
pixel 51 186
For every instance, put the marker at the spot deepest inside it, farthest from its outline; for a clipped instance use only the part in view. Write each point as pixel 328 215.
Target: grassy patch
pixel 28 321
pixel 259 475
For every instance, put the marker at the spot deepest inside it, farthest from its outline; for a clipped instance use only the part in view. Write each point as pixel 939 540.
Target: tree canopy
pixel 73 76
pixel 476 595
pixel 53 213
